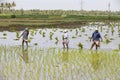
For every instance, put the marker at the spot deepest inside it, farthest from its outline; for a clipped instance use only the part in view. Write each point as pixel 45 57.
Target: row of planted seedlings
pixel 57 64
pixel 79 32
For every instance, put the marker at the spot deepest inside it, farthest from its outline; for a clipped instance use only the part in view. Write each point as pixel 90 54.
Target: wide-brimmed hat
pixel 96 29
pixel 65 31
pixel 26 28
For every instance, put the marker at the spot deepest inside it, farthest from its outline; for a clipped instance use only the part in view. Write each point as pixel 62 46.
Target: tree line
pixel 8 8
pixel 5 6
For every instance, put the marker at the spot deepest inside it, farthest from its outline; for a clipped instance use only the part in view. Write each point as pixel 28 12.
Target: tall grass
pixel 58 64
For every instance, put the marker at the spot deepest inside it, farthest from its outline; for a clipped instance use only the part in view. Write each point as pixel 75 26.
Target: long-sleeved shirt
pixel 25 34
pixel 96 36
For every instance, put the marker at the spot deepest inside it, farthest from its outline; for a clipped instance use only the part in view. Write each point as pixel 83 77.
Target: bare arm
pixel 21 35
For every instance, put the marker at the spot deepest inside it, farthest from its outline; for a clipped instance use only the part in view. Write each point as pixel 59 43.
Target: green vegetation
pixel 83 29
pixel 43 34
pixel 56 38
pixel 9 17
pixel 57 64
pixel 119 46
pixel 80 45
pixel 107 41
pixel 35 44
pixel 6 7
pixel 4 34
pixel 51 35
pixel 53 18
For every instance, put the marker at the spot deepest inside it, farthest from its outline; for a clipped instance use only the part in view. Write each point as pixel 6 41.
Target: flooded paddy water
pixel 52 37
pixel 45 59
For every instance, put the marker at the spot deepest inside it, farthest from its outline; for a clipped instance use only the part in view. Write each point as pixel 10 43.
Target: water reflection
pixel 53 36
pixel 65 55
pixel 96 60
pixel 25 54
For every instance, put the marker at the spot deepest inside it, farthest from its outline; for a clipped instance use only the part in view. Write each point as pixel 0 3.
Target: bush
pixel 13 16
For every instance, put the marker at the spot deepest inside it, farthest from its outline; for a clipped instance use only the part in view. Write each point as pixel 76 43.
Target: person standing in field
pixel 24 35
pixel 65 39
pixel 96 39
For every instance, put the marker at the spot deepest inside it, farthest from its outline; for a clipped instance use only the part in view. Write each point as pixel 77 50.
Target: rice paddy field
pixel 52 37
pixel 45 59
pixel 56 64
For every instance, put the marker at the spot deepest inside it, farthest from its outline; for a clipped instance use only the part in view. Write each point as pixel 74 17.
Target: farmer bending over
pixel 24 35
pixel 65 39
pixel 96 39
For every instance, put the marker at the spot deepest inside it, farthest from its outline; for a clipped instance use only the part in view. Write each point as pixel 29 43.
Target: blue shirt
pixel 96 36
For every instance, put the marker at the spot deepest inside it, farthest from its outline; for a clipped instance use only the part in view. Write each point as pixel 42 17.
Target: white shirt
pixel 65 35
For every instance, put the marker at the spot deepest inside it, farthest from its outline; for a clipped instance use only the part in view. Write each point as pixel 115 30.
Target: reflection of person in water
pixel 65 62
pixel 25 54
pixel 65 56
pixel 96 61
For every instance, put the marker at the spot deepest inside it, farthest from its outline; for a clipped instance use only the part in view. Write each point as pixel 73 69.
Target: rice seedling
pixel 118 27
pixel 71 30
pixel 83 29
pixel 43 34
pixel 101 29
pixel 119 34
pixel 112 32
pixel 16 39
pixel 74 36
pixel 40 31
pixel 107 31
pixel 105 36
pixel 56 42
pixel 79 35
pixel 51 35
pixel 111 38
pixel 118 30
pixel 107 41
pixel 17 34
pixel 4 34
pixel 54 30
pixel 56 38
pixel 32 34
pixel 58 64
pixel 86 34
pixel 80 45
pixel 4 37
pixel 35 44
pixel 77 30
pixel 61 31
pixel 29 40
pixel 119 46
